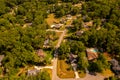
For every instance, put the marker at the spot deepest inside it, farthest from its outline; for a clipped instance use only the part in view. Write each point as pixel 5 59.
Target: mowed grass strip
pixel 81 74
pixel 49 71
pixel 62 70
pixel 107 73
pixel 51 19
pixel 57 36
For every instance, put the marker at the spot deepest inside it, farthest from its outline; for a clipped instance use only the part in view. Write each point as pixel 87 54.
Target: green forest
pixel 23 31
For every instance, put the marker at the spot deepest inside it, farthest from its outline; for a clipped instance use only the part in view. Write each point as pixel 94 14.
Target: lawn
pixel 51 19
pixel 62 28
pixel 81 74
pixel 107 73
pixel 69 22
pixel 49 71
pixel 58 34
pixel 107 56
pixel 62 70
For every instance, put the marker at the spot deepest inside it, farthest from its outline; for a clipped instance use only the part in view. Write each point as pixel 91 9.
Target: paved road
pixel 54 71
pixel 61 38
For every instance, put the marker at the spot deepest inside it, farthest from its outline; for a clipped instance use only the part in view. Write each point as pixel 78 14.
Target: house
pixel 1 58
pixel 115 66
pixel 57 26
pixel 79 33
pixel 40 53
pixel 88 24
pixel 91 53
pixel 72 58
pixel 63 21
pixel 46 43
pixel 32 72
pixel 69 17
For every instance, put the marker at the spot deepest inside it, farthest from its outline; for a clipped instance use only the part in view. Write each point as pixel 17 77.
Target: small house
pixel 69 17
pixel 40 53
pixel 115 66
pixel 62 21
pixel 32 72
pixel 88 24
pixel 56 26
pixel 91 53
pixel 1 58
pixel 72 58
pixel 79 33
pixel 46 43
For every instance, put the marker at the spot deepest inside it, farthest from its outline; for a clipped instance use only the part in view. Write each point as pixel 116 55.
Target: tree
pixel 60 13
pixel 82 61
pixel 76 47
pixel 75 10
pixel 63 50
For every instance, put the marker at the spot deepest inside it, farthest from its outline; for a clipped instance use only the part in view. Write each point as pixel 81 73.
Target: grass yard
pixel 107 56
pixel 62 28
pixel 51 19
pixel 57 34
pixel 62 70
pixel 69 22
pixel 49 71
pixel 81 74
pixel 107 73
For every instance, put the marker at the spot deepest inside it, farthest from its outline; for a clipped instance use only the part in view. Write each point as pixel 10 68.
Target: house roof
pixel 114 62
pixel 32 72
pixel 91 53
pixel 116 68
pixel 72 56
pixel 1 58
pixel 79 33
pixel 56 25
pixel 46 42
pixel 40 53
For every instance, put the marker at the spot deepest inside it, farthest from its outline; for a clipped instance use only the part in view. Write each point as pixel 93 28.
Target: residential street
pixel 54 71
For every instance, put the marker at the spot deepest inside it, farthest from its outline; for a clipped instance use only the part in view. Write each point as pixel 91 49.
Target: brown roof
pixel 1 58
pixel 91 54
pixel 40 53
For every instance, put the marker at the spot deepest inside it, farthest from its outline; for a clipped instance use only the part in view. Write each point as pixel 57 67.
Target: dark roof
pixel 114 62
pixel 115 66
pixel 72 56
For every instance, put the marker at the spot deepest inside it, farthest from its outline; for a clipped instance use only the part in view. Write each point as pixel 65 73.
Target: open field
pixel 62 70
pixel 51 19
pixel 82 74
pixel 50 72
pixel 107 73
